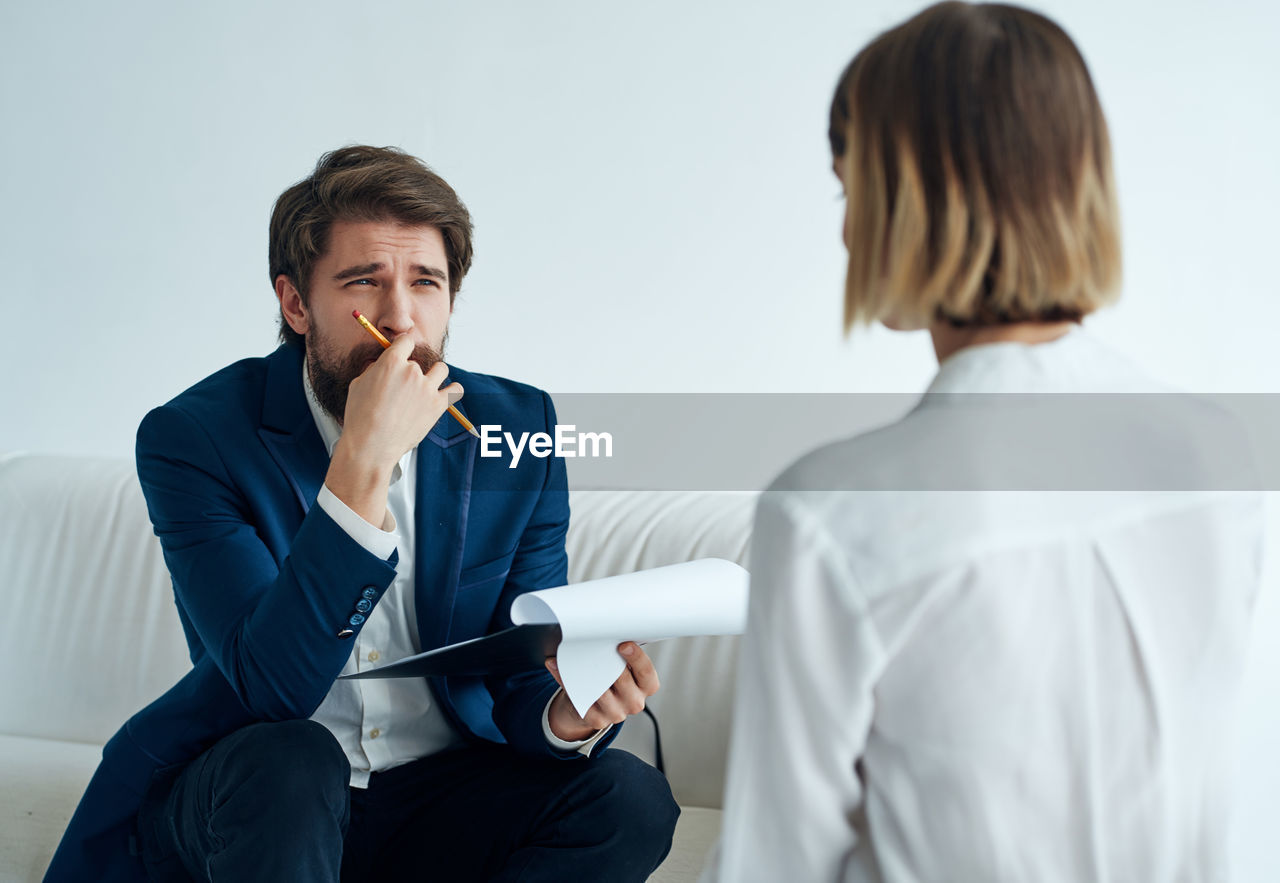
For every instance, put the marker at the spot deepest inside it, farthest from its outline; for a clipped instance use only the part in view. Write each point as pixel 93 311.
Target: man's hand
pixel 626 697
pixel 390 408
pixel 392 405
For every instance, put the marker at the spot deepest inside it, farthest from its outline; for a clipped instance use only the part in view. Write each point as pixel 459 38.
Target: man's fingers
pixel 607 710
pixel 455 392
pixel 640 666
pixel 437 374
pixel 402 346
pixel 629 695
pixel 555 671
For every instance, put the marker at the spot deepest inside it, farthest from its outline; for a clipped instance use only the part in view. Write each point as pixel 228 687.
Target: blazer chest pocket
pixel 489 571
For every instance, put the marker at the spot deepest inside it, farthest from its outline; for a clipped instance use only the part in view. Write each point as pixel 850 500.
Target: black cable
pixel 657 742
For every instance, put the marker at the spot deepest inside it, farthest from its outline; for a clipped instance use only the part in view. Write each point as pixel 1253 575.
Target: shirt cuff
pixel 583 747
pixel 377 542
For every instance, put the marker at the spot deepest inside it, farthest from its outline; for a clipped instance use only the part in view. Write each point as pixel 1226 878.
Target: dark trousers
pixel 271 802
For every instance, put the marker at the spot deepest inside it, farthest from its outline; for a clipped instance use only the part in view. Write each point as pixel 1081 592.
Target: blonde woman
pixel 959 667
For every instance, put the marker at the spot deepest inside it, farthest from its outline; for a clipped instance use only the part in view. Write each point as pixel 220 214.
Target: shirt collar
pixel 1009 366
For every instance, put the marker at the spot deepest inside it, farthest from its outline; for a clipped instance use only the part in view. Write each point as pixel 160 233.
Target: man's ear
pixel 291 305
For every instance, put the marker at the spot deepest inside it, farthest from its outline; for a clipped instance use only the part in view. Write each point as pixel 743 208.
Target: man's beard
pixel 332 372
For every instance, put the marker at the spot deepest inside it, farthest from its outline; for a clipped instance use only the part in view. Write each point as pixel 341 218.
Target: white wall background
pixel 650 185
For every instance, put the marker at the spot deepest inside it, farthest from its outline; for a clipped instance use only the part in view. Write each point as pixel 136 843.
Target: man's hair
pixel 977 170
pixel 363 184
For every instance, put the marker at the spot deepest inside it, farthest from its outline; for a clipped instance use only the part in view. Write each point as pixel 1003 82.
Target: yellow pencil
pixel 377 335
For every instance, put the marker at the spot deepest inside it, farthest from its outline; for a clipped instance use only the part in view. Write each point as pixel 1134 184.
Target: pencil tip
pixel 473 432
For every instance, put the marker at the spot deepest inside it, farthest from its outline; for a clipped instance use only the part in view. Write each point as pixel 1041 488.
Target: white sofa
pixel 90 635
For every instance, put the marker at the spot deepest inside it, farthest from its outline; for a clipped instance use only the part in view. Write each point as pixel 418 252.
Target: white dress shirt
pixel 382 723
pixel 973 685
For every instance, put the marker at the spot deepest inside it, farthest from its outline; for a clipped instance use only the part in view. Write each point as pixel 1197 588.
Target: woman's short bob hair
pixel 977 173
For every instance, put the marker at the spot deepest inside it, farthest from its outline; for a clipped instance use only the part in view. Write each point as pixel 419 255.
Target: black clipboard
pixel 519 648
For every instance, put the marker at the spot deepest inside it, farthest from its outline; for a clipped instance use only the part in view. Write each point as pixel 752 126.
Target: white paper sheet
pixel 703 597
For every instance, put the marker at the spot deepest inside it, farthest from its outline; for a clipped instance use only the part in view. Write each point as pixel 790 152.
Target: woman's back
pixel 1034 678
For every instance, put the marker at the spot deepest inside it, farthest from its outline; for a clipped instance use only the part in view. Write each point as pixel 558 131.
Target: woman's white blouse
pixel 974 685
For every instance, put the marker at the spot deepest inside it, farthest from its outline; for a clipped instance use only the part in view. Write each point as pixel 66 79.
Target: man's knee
pixel 636 798
pixel 284 783
pixel 291 744
pixel 293 758
pixel 294 769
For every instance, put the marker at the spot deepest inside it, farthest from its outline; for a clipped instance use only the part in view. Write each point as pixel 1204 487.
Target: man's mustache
pixel 355 363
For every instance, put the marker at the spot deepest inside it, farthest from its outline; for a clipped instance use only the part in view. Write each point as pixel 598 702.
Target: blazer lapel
pixel 288 430
pixel 446 461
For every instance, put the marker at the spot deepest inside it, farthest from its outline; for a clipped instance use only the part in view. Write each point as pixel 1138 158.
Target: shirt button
pixel 375 733
pixel 374 655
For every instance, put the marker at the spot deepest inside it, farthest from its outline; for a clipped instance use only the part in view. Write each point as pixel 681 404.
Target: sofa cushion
pixel 696 833
pixel 91 630
pixel 43 780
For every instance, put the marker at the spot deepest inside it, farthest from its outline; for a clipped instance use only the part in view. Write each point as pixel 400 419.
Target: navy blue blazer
pixel 265 581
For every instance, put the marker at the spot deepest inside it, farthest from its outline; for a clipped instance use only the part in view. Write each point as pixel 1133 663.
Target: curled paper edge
pixel 587 670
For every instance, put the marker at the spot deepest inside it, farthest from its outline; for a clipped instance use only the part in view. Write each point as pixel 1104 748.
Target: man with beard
pixel 321 514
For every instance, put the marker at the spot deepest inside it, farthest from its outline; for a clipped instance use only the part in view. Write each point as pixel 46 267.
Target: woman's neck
pixel 948 340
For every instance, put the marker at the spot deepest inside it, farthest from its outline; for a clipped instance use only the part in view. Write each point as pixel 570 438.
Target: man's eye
pixel 360 282
pixel 428 282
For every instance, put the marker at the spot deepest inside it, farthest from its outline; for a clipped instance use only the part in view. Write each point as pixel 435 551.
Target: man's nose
pixel 395 316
